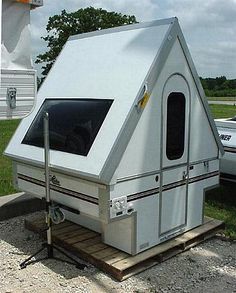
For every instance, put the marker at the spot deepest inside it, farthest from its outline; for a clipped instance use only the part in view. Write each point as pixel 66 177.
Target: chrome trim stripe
pixel 173 185
pixel 131 197
pixel 143 194
pixel 65 191
pixel 140 195
pixel 205 176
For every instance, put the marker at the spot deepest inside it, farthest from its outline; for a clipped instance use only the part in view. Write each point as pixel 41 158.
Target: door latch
pixel 206 165
pixel 11 97
pixel 185 175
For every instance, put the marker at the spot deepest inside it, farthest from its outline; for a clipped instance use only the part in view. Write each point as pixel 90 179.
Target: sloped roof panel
pixel 106 65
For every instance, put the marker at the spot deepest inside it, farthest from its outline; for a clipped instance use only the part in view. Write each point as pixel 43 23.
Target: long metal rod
pixel 49 246
pixel 47 175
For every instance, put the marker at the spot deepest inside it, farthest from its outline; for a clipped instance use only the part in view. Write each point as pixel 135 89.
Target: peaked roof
pixel 107 63
pixel 117 64
pixel 171 35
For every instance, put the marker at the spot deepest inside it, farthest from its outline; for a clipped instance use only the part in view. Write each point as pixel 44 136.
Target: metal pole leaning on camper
pixel 47 182
pixel 49 245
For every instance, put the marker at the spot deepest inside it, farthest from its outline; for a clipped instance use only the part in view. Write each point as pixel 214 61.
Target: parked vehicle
pixel 18 78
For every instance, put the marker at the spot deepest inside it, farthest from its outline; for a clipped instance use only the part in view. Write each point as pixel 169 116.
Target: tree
pixel 219 86
pixel 61 27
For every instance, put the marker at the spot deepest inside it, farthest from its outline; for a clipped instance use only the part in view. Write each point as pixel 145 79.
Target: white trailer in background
pixel 227 132
pixel 133 146
pixel 18 78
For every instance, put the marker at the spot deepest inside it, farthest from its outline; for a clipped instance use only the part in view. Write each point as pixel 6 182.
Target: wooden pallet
pixel 88 246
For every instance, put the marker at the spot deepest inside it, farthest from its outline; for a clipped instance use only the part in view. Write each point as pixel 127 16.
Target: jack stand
pixel 50 255
pixel 49 246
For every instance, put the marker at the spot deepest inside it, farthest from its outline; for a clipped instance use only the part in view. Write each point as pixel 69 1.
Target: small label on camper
pixel 225 137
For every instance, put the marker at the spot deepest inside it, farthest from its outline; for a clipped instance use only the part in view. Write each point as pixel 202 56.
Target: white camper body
pixel 227 132
pixel 143 176
pixel 18 79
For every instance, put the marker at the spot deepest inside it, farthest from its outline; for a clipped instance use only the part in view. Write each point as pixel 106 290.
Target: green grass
pixel 221 205
pixel 7 129
pixel 224 213
pixel 222 111
pixel 216 206
pixel 221 99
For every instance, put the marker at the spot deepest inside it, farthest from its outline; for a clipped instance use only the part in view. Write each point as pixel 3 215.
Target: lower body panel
pixel 139 228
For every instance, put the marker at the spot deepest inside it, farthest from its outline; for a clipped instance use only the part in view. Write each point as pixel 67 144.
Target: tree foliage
pixel 219 86
pixel 61 27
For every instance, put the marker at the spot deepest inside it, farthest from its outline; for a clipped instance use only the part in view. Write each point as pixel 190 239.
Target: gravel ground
pixel 209 267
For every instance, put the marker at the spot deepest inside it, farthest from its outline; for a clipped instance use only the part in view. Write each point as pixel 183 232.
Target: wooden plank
pixel 104 252
pixel 41 227
pixel 81 237
pixel 72 234
pixel 88 245
pixel 111 259
pixel 64 230
pixel 61 225
pixel 30 225
pixel 137 269
pixel 39 221
pixel 169 253
pixel 131 261
pixel 95 248
pixel 207 219
pixel 198 231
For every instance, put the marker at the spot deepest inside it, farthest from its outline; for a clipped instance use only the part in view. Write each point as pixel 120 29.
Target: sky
pixel 209 26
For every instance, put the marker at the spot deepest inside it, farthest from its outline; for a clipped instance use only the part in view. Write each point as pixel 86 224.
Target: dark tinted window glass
pixel 73 124
pixel 175 126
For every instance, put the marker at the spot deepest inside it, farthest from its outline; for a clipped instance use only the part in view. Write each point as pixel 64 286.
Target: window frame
pixel 176 152
pixel 38 119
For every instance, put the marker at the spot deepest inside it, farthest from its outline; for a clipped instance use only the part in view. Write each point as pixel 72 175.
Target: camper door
pixel 174 157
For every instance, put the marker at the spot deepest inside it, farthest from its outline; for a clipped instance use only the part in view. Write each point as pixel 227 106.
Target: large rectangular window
pixel 73 124
pixel 175 126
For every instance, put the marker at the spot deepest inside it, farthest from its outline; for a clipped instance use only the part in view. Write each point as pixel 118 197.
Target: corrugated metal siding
pixel 24 82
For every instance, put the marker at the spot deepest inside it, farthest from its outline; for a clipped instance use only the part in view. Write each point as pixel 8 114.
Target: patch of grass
pixel 224 213
pixel 7 128
pixel 222 111
pixel 223 193
pixel 222 99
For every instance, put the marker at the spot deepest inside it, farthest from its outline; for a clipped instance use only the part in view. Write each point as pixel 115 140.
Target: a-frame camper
pixel 132 144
